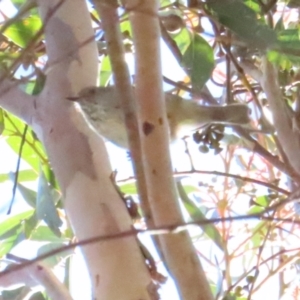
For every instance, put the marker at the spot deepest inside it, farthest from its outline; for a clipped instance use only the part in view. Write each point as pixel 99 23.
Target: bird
pixel 102 108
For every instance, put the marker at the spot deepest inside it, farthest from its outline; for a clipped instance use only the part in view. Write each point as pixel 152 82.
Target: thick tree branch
pixel 16 101
pixel 188 274
pixel 34 275
pixel 287 135
pixel 78 155
pixel 110 22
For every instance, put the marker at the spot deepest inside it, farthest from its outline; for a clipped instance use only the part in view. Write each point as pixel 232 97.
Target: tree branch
pixel 16 101
pixel 110 23
pixel 36 274
pixel 287 135
pixel 79 158
pixel 171 229
pixel 188 275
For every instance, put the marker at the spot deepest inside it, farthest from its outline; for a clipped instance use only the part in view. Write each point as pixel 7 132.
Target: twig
pixel 243 178
pixel 274 160
pixel 17 169
pixel 165 230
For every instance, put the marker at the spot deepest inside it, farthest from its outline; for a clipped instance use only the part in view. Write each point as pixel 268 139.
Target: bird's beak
pixel 74 99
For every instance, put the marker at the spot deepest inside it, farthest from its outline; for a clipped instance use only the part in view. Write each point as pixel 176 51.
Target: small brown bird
pixel 102 108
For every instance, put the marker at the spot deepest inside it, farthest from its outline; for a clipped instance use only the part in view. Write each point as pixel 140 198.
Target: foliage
pixel 212 40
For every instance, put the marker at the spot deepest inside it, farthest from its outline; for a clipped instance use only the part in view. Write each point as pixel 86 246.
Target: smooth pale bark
pixel 288 134
pixel 78 155
pixel 35 275
pixel 108 11
pixel 179 253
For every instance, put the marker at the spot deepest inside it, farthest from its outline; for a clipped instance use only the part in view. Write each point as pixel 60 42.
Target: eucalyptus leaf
pixel 129 188
pixel 28 195
pixel 22 31
pixel 197 215
pixel 286 51
pixel 37 296
pixel 12 236
pixel 11 232
pixel 44 234
pixel 258 234
pixel 14 294
pixel 242 20
pixel 33 151
pixel 29 225
pixel 105 71
pixel 45 205
pixel 198 61
pixel 182 39
pixel 14 221
pixel 24 175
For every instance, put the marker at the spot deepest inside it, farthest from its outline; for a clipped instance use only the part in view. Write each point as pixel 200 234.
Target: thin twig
pixel 17 169
pixel 242 178
pixel 166 229
pixel 274 160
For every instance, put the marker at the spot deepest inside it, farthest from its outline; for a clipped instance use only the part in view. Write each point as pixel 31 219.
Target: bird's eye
pixel 91 92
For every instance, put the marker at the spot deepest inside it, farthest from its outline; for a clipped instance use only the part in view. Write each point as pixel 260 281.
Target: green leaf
pixel 253 5
pixel 18 3
pixel 190 189
pixel 198 61
pixel 39 83
pixel 105 71
pixel 29 225
pixel 12 294
pixel 287 50
pixel 255 210
pixel 22 31
pixel 11 231
pixel 14 221
pixel 125 25
pixel 262 201
pixel 258 234
pixel 37 296
pixel 25 175
pixel 33 151
pixel 50 176
pixel 9 243
pixel 46 209
pixel 129 188
pixel 164 3
pixel 44 234
pixel 183 39
pixel 6 59
pixel 242 20
pixel 197 215
pixel 28 195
